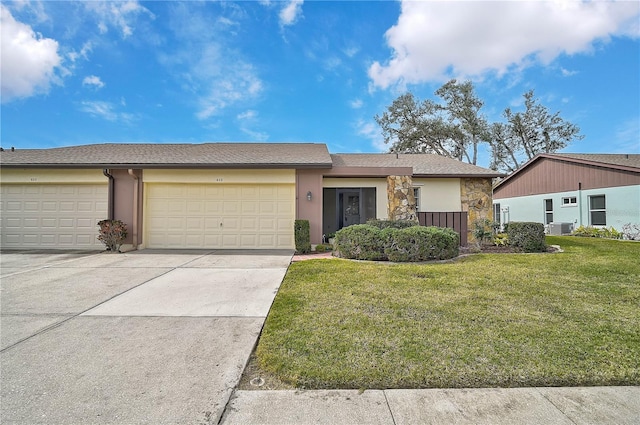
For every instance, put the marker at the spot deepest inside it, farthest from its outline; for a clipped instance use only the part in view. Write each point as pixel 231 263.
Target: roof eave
pixel 172 166
pixel 459 175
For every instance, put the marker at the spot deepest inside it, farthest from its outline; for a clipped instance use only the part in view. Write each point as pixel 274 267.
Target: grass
pixel 487 320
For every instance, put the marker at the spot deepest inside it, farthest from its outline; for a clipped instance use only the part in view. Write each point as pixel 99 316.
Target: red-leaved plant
pixel 112 234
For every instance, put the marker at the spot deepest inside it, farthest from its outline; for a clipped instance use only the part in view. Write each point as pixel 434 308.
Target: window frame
pixel 597 210
pixel 548 212
pixel 416 196
pixel 569 201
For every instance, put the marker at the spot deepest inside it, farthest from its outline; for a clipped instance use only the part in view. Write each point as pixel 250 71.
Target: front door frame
pixel 340 204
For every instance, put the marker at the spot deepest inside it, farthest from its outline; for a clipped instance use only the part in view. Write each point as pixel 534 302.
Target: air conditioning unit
pixel 558 229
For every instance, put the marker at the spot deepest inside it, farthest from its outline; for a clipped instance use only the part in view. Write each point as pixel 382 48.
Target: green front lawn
pixel 486 320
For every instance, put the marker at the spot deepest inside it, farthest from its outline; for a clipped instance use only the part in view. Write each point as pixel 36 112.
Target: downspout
pixel 580 203
pixel 110 207
pixel 135 209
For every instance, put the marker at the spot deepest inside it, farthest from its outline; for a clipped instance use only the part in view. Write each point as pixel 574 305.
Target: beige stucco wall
pixel 36 175
pixel 439 194
pixel 380 184
pixel 219 176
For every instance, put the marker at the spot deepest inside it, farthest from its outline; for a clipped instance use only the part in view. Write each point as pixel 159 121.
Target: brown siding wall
pixel 550 176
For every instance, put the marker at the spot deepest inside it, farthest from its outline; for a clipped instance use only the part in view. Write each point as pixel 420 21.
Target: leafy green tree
pixel 526 134
pixel 453 128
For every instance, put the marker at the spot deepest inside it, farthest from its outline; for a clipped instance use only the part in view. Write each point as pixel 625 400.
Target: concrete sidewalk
pixel 583 405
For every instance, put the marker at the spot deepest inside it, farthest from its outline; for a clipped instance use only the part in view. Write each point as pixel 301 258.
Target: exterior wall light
pixel 308 195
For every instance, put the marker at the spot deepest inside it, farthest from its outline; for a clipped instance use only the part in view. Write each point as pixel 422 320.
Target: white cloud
pixel 93 81
pixel 29 61
pixel 627 138
pixel 567 73
pixel 434 41
pixel 213 75
pixel 356 103
pixel 233 83
pixel 256 136
pixel 247 115
pixel 121 15
pixel 371 131
pixel 291 12
pixel 105 110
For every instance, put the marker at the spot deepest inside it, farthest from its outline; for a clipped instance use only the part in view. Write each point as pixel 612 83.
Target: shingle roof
pixel 423 164
pixel 227 155
pixel 625 160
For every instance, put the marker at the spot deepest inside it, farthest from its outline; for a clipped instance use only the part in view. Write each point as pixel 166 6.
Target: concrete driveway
pixel 158 337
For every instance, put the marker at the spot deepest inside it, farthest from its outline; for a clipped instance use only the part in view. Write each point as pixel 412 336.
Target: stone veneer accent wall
pixel 402 203
pixel 476 199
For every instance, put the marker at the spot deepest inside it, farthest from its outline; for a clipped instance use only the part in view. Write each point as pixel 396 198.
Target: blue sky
pixel 313 71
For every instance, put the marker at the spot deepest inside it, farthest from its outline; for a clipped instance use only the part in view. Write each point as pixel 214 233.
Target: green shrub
pixel 413 243
pixel 420 243
pixel 394 224
pixel 302 236
pixel 483 230
pixel 594 232
pixel 527 236
pixel 112 233
pixel 360 242
pixel 321 248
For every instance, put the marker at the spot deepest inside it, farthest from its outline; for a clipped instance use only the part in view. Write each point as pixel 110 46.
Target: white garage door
pixel 229 216
pixel 52 215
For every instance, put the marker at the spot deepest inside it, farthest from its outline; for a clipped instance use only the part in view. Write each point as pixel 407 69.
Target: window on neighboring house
pixel 597 211
pixel 569 201
pixel 416 194
pixel 496 214
pixel 548 211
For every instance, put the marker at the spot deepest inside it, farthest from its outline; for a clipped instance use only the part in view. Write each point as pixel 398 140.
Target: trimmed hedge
pixel 413 243
pixel 360 242
pixel 527 236
pixel 302 236
pixel 421 243
pixel 393 224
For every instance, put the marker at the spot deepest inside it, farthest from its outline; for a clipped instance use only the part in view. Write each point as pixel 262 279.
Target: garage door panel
pixel 222 216
pixel 194 240
pixel 84 223
pixel 52 215
pixel 31 222
pixel 231 207
pixel 212 207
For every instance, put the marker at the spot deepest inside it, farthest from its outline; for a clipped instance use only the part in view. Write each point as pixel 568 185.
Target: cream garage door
pixel 226 216
pixel 52 215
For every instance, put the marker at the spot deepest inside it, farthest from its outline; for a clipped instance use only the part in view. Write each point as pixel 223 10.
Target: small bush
pixel 302 236
pixel 321 248
pixel 393 224
pixel 527 236
pixel 112 233
pixel 483 230
pixel 420 243
pixel 594 232
pixel 360 242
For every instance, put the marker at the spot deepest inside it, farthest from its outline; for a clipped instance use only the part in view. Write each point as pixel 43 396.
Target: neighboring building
pixel 600 190
pixel 220 195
